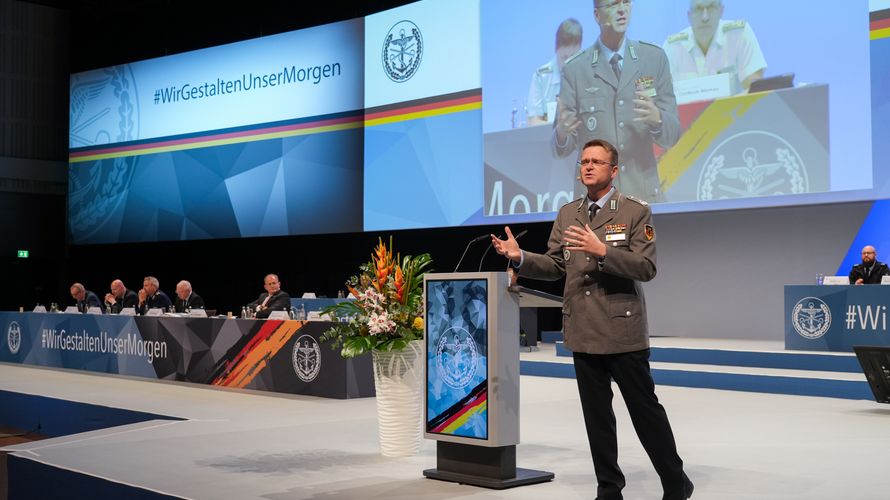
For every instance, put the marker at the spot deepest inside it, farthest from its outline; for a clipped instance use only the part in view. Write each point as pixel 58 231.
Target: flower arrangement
pixel 387 312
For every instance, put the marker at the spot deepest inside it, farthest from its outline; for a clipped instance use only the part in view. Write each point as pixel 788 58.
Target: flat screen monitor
pixel 457 380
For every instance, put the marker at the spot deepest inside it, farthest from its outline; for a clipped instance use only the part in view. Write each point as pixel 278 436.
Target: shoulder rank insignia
pixel 574 56
pixel 678 37
pixel 734 25
pixel 545 69
pixel 634 198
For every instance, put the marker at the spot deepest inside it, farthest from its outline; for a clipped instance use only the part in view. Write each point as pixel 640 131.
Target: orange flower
pixel 400 285
pixel 383 265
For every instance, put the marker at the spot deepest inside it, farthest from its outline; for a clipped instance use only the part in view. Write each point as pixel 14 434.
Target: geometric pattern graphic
pixel 233 353
pixel 273 187
pixel 457 357
pixel 423 172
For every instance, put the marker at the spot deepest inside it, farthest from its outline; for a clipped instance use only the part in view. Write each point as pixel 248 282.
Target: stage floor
pixel 243 444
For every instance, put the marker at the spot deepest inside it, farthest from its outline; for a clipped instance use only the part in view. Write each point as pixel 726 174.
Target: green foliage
pixel 386 312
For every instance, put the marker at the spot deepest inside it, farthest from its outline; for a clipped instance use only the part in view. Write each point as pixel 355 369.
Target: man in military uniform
pixel 151 296
pixel 619 90
pixel 711 45
pixel 870 271
pixel 604 246
pixel 545 81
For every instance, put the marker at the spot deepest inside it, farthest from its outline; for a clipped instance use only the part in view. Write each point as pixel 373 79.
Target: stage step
pixel 551 336
pixel 789 360
pixel 748 369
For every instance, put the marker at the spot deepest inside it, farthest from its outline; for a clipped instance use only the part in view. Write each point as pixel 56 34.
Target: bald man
pixel 120 298
pixel 870 271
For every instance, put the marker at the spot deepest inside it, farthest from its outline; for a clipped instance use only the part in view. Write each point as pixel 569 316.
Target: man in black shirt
pixel 120 298
pixel 870 271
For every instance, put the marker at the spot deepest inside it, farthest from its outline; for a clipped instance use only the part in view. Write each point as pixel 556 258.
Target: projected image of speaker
pixel 875 361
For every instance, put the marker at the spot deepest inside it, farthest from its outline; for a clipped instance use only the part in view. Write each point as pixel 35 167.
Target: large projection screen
pixel 442 114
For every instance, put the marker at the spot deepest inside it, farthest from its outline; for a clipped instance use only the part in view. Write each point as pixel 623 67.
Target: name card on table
pixel 704 88
pixel 72 310
pixel 128 311
pixel 94 310
pixel 279 315
pixel 154 312
pixel 197 313
pixel 885 280
pixel 39 309
pixel 318 316
pixel 836 280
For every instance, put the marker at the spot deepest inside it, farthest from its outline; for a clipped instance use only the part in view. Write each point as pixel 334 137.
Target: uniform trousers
pixel 630 371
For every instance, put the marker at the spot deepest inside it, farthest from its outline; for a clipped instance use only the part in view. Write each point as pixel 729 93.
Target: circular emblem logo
pixel 752 163
pixel 104 110
pixel 811 318
pixel 14 337
pixel 402 51
pixel 456 357
pixel 306 358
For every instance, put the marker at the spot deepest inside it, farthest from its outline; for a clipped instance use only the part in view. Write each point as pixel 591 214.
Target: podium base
pixel 488 467
pixel 522 478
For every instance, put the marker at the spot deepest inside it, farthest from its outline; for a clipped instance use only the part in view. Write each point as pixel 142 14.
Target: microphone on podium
pixel 520 235
pixel 474 240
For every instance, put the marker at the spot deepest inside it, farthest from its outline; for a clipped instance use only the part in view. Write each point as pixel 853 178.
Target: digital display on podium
pixel 457 357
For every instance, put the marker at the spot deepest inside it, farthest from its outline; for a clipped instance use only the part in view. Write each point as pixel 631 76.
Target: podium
pixel 471 401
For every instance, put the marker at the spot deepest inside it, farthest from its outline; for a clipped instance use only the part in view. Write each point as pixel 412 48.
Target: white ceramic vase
pixel 397 379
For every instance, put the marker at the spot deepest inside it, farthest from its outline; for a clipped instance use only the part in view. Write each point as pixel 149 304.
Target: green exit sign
pixel 24 254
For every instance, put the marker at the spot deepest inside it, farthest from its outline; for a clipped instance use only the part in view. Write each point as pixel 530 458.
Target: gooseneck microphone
pixel 474 240
pixel 520 235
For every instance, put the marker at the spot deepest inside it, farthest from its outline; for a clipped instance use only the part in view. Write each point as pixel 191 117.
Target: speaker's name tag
pixel 616 237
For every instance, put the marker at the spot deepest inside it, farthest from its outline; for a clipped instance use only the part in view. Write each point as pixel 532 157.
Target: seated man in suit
pixel 85 299
pixel 186 298
pixel 870 271
pixel 120 297
pixel 274 299
pixel 151 296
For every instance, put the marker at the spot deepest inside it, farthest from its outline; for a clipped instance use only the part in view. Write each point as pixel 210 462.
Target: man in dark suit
pixel 151 296
pixel 604 246
pixel 870 271
pixel 186 298
pixel 120 298
pixel 273 299
pixel 85 299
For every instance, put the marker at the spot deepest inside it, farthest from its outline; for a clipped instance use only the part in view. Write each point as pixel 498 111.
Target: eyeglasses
pixel 616 3
pixel 594 163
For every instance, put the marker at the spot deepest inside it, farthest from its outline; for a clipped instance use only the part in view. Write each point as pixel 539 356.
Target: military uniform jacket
pixel 879 269
pixel 604 105
pixel 604 311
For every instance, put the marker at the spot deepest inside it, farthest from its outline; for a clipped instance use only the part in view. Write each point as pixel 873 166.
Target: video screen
pixel 457 357
pixel 708 135
pixel 471 112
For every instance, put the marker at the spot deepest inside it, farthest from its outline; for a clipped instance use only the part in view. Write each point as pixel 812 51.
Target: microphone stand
pixel 474 240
